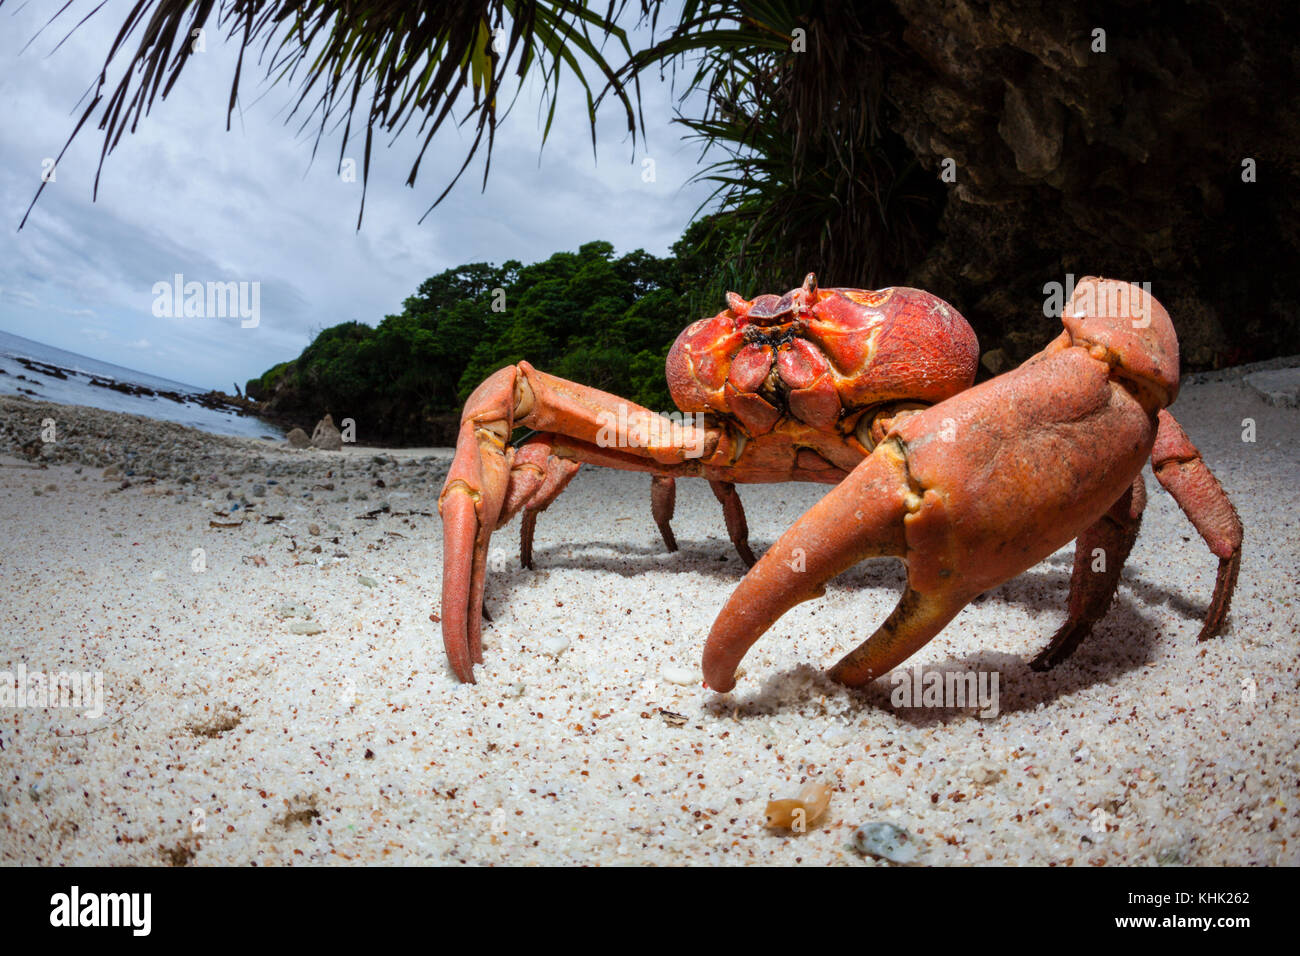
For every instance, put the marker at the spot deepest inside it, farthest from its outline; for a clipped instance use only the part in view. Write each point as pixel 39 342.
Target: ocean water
pixel 77 390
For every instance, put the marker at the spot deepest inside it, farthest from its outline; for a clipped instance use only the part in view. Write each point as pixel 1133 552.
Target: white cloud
pixel 183 195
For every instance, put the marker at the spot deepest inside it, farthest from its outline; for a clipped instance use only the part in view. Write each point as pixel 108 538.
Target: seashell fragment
pixel 799 813
pixel 886 841
pixel 554 646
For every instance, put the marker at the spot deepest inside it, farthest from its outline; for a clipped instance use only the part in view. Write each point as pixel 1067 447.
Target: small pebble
pixel 367 581
pixel 983 773
pixel 555 646
pixel 313 529
pixel 678 675
pixel 305 627
pixel 1171 854
pixel 886 841
pixel 158 576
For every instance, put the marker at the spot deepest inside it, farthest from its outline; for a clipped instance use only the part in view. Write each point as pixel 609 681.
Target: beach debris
pixel 216 720
pixel 678 675
pixel 1173 853
pixel 313 529
pixel 157 576
pixel 326 436
pixel 367 581
pixel 672 719
pixel 983 773
pixel 225 524
pixel 305 627
pixel 256 560
pixel 301 810
pixel 371 515
pixel 293 610
pixel 886 841
pixel 555 646
pixel 298 439
pixel 799 813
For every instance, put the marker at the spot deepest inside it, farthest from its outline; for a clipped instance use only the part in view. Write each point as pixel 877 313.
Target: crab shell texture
pixel 821 355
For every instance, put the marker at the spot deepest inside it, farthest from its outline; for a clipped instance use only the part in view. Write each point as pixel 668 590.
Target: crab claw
pixel 862 517
pixel 970 493
pixel 470 505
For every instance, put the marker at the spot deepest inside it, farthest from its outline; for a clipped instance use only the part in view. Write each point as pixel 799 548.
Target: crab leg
pixel 1179 468
pixel 734 514
pixel 663 499
pixel 1092 587
pixel 557 473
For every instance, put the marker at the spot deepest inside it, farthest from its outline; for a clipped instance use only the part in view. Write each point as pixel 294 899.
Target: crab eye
pixel 736 304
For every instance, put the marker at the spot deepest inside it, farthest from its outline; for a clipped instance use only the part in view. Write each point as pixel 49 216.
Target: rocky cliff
pixel 1155 142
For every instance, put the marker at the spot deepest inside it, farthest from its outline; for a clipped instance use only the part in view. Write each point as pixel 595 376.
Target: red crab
pixel 799 387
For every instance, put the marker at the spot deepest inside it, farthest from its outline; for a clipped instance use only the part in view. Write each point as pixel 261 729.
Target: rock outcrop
pixel 1149 142
pixel 325 436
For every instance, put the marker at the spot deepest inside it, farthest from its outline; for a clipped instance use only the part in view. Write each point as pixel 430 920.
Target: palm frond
pixel 413 59
pixel 809 167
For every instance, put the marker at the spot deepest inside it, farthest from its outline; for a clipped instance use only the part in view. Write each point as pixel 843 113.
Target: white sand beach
pixel 275 693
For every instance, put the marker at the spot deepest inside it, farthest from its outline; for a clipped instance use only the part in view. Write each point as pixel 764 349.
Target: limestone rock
pixel 325 436
pixel 1280 387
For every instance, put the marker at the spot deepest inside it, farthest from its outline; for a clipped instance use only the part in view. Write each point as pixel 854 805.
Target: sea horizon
pixel 76 389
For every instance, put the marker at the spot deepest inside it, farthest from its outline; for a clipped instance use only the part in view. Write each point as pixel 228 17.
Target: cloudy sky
pixel 182 195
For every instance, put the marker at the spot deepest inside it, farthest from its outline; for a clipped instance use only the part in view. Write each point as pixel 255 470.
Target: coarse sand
pixel 276 692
